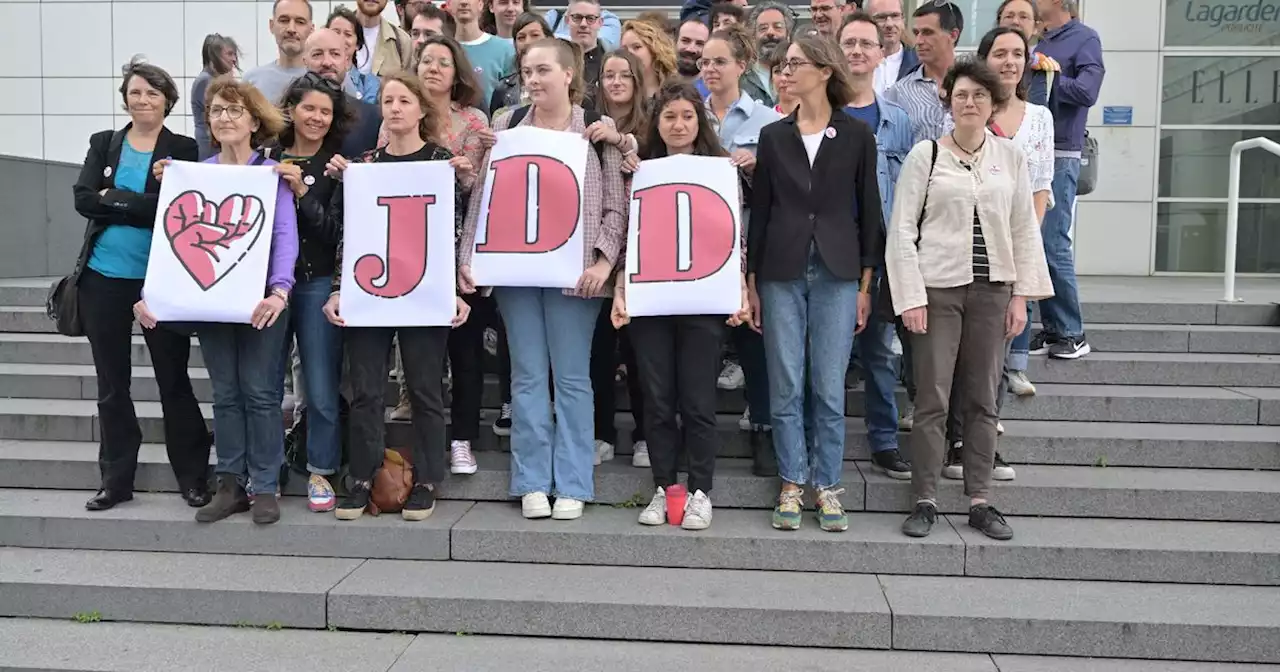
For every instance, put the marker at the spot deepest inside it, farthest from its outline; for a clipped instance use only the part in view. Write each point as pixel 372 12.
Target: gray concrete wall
pixel 42 232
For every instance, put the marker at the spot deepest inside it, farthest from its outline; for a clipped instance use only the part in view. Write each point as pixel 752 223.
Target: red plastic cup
pixel 676 496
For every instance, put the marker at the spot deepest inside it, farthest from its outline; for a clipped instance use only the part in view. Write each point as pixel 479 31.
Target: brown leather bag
pixel 392 483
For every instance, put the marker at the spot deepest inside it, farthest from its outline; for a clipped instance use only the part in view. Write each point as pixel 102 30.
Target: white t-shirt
pixel 811 144
pixel 887 72
pixel 364 60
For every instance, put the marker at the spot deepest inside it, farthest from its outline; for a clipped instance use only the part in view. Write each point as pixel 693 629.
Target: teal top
pixel 121 251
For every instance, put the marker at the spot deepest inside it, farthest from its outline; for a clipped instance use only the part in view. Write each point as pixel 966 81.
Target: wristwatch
pixel 280 292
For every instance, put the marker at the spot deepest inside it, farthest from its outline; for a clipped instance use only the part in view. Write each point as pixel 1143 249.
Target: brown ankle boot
pixel 229 499
pixel 266 509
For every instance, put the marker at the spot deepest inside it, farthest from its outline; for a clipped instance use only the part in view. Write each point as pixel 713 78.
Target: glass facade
pixel 1220 85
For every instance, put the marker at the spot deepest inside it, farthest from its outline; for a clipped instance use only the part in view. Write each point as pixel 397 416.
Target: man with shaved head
pixel 290 25
pixel 325 55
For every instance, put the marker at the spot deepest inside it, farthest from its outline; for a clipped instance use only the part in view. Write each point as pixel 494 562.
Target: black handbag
pixel 63 305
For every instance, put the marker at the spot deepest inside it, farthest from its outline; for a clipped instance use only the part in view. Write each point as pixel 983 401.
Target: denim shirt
pixel 742 123
pixel 893 143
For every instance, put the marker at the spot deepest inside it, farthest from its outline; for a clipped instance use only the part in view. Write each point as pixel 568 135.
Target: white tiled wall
pixel 1114 224
pixel 63 58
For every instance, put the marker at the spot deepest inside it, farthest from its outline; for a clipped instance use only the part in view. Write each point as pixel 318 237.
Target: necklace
pixel 966 150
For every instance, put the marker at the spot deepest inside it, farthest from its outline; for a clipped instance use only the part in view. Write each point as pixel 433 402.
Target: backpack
pixel 884 299
pixel 588 117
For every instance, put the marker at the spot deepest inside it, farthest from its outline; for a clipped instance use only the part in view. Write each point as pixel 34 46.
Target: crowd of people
pixel 903 207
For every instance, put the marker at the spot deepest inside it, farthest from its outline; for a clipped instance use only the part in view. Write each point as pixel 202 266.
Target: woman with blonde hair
pixel 655 51
pixel 244 359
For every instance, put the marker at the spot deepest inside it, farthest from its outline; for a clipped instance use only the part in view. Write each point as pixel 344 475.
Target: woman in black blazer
pixel 814 239
pixel 119 195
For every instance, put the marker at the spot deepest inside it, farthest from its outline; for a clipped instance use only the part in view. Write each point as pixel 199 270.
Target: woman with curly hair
pixel 655 51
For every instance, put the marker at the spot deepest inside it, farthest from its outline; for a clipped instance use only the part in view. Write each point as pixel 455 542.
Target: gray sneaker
pixel 920 522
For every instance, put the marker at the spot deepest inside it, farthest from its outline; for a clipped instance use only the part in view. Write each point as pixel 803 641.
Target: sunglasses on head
pixel 320 81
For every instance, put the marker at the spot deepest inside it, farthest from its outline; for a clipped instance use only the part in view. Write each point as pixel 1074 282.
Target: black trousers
pixel 466 354
pixel 679 361
pixel 606 344
pixel 107 305
pixel 422 353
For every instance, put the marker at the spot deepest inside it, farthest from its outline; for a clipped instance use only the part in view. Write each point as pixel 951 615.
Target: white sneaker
pixel 744 423
pixel 656 512
pixel 604 451
pixel 1020 385
pixel 908 419
pixel 731 377
pixel 999 428
pixel 461 460
pixel 697 512
pixel 535 505
pixel 640 456
pixel 566 509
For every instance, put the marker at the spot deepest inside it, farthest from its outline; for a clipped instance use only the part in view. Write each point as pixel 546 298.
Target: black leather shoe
pixel 106 499
pixel 196 497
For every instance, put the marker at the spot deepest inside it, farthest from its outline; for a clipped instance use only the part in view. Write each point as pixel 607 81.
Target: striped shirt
pixel 918 95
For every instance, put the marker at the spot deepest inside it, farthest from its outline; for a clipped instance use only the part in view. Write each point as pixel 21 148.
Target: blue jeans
pixel 875 348
pixel 320 352
pixel 1020 347
pixel 248 425
pixel 1060 314
pixel 755 373
pixel 550 338
pixel 808 328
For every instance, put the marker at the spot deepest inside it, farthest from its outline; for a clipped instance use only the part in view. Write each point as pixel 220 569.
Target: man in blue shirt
pixel 607 27
pixel 861 40
pixel 1077 50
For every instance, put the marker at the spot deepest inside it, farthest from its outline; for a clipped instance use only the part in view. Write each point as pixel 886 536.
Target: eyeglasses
pixel 821 9
pixel 233 112
pixel 584 18
pixel 443 63
pixel 865 45
pixel 717 63
pixel 882 17
pixel 978 97
pixel 793 64
pixel 624 76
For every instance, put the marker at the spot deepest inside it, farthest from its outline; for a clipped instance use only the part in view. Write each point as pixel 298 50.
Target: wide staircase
pixel 1146 511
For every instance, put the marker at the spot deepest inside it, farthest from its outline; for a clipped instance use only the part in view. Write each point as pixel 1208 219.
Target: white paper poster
pixel 397 250
pixel 530 231
pixel 684 242
pixel 212 242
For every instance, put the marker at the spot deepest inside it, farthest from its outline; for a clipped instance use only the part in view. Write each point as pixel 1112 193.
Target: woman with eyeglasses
pixel 412 123
pixel 451 87
pixel 815 241
pixel 787 102
pixel 550 328
pixel 619 99
pixel 220 55
pixel 655 51
pixel 964 257
pixel 738 120
pixel 679 356
pixel 528 28
pixel 118 195
pixel 244 359
pixel 318 118
pixel 343 21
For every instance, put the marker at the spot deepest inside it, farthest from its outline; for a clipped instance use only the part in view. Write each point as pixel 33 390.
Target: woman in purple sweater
pixel 243 359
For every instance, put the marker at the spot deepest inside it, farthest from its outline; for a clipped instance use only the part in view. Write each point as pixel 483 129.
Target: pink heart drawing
pixel 210 240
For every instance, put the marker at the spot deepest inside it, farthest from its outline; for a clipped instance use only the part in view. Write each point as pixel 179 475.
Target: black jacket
pixel 506 94
pixel 835 204
pixel 363 136
pixel 118 206
pixel 318 236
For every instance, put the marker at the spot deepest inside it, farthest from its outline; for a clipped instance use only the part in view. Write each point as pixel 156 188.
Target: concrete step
pixel 1268 403
pixel 1083 618
pixel 24 291
pixel 1173 311
pixel 163 522
pixel 66 646
pixel 1112 492
pixel 1207 338
pixel 1170 621
pixel 1159 368
pixel 73 419
pixel 20 348
pixel 27 319
pixel 169 587
pixel 1070 548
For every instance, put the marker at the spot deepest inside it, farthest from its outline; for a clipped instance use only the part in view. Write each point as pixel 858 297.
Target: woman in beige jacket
pixel 964 256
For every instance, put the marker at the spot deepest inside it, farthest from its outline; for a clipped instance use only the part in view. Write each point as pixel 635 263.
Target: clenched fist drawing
pixel 211 239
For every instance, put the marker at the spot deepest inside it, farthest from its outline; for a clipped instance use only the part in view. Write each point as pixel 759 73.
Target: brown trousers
pixel 965 340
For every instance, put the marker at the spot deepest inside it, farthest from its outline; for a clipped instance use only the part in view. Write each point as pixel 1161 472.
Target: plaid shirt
pixel 604 202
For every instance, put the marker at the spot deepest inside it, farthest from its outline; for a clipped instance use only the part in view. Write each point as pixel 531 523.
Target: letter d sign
pixel 685 232
pixel 533 206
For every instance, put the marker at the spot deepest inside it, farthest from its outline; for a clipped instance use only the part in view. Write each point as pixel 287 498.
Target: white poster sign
pixel 212 242
pixel 684 243
pixel 530 231
pixel 397 249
